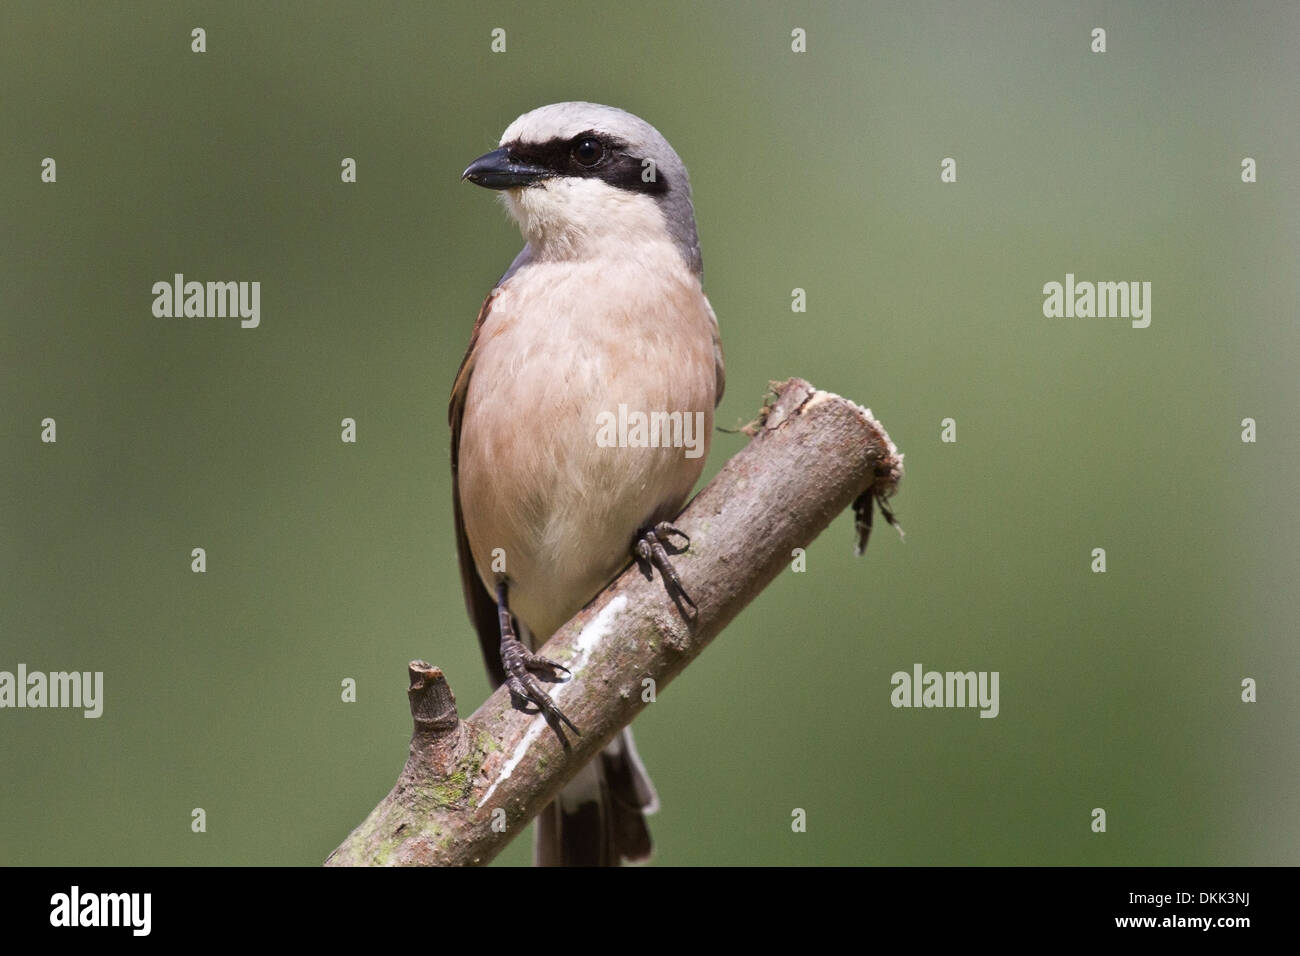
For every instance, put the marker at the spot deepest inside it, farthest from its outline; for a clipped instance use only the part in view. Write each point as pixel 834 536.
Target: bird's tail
pixel 599 817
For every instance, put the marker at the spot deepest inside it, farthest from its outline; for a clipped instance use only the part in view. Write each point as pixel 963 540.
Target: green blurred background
pixel 817 170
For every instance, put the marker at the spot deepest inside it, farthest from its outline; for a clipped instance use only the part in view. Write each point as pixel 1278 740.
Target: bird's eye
pixel 588 151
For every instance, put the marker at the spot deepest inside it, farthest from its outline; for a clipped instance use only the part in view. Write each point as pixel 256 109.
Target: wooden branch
pixel 470 786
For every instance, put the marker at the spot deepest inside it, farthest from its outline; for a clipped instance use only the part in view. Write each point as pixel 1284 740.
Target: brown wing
pixel 718 370
pixel 481 605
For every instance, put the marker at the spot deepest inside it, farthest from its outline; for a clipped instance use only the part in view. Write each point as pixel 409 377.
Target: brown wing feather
pixel 481 605
pixel 720 374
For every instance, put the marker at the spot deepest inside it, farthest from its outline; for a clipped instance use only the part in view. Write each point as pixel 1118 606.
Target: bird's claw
pixel 651 547
pixel 520 663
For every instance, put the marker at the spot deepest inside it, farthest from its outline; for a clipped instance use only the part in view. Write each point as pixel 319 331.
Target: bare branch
pixel 470 786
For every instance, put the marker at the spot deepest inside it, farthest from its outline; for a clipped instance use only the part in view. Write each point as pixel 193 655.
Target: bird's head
pixel 585 180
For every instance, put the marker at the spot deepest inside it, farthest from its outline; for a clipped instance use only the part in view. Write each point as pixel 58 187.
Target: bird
pixel 603 307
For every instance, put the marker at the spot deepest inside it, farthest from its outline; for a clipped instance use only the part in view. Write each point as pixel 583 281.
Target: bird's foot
pixel 520 664
pixel 651 549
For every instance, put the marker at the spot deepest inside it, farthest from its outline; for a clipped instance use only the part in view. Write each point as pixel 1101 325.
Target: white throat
pixel 574 219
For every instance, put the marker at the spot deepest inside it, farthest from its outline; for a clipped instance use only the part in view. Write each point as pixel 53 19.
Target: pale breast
pixel 566 359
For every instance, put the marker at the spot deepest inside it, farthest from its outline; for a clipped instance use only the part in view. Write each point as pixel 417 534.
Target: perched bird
pixel 602 308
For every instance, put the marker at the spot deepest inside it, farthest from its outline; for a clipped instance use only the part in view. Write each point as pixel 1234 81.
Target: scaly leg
pixel 649 548
pixel 520 663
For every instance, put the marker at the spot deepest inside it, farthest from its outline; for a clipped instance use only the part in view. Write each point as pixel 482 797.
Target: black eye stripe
pixel 557 154
pixel 618 167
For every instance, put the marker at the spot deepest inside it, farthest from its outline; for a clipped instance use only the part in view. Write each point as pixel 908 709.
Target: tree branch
pixel 469 786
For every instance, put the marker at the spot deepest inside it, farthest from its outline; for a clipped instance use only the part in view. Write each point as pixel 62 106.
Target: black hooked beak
pixel 497 170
